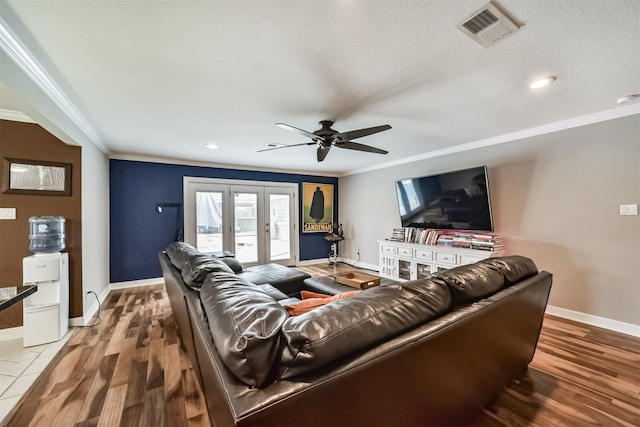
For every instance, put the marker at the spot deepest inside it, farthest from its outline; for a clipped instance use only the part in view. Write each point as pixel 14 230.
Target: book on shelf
pixel 398 235
pixel 455 238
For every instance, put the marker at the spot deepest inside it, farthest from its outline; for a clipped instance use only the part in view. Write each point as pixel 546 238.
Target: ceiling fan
pixel 325 138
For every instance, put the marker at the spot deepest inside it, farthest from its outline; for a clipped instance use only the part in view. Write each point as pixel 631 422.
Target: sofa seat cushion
pixel 197 267
pixel 335 330
pixel 288 301
pixel 273 292
pixel 287 279
pixel 245 324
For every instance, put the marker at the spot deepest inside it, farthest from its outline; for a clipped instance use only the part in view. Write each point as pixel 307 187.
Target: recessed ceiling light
pixel 628 99
pixel 543 82
pixel 211 146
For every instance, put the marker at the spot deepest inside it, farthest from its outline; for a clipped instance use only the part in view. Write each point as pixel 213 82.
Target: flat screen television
pixel 456 200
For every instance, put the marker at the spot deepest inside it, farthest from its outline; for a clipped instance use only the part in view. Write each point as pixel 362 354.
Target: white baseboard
pixel 76 322
pixel 312 261
pixel 352 262
pixel 136 283
pixel 359 264
pixel 93 309
pixel 11 333
pixel 590 319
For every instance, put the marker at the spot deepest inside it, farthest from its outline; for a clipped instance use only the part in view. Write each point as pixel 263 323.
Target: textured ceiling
pixel 164 79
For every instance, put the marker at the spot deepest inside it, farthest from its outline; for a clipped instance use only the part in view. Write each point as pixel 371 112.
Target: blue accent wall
pixel 138 232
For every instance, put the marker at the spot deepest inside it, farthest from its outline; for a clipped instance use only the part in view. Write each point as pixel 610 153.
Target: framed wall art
pixel 36 177
pixel 317 208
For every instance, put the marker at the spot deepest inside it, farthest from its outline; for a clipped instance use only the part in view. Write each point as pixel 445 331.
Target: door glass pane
pixel 246 226
pixel 209 221
pixel 280 242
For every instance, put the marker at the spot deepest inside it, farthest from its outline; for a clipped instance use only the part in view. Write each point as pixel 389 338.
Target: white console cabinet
pixel 412 261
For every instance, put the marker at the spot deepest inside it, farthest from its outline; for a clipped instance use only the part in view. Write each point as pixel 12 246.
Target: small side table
pixel 12 294
pixel 334 247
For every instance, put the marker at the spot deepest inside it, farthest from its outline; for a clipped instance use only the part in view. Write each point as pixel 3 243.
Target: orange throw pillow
pixel 309 294
pixel 313 300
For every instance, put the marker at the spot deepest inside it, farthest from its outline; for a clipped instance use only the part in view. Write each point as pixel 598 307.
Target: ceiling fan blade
pixel 354 134
pixel 300 131
pixel 322 152
pixel 286 146
pixel 350 145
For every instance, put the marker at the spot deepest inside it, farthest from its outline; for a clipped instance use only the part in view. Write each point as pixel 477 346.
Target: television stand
pixel 412 261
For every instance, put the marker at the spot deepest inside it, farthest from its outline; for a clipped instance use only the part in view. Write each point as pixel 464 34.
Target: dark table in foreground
pixel 21 292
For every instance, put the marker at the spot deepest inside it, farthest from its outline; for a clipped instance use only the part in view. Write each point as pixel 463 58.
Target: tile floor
pixel 19 368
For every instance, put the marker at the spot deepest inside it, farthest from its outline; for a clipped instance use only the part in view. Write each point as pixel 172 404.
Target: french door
pixel 254 220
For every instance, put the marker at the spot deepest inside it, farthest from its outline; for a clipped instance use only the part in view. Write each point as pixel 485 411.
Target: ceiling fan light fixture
pixel 326 137
pixel 540 83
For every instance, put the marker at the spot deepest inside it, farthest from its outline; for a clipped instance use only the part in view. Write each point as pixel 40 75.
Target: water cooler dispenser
pixel 46 312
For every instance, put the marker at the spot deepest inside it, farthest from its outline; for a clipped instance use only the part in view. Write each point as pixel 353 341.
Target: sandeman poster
pixel 317 208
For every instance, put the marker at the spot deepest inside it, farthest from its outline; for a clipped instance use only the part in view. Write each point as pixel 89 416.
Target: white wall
pixel 95 227
pixel 555 199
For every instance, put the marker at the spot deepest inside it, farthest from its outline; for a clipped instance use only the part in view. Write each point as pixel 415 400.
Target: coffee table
pixel 327 285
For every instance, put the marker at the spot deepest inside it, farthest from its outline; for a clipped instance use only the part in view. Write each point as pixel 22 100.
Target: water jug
pixel 46 234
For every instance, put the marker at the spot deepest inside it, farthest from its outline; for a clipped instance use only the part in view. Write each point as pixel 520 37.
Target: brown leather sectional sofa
pixel 421 353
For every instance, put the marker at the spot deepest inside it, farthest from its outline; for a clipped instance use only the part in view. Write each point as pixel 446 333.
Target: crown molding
pixel 176 161
pixel 588 119
pixel 22 57
pixel 15 116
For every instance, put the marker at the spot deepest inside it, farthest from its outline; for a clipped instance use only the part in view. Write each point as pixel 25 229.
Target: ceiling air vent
pixel 488 25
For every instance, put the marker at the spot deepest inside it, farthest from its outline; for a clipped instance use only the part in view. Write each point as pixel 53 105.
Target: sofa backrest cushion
pixel 233 264
pixel 469 283
pixel 245 325
pixel 197 267
pixel 179 253
pixel 362 321
pixel 514 268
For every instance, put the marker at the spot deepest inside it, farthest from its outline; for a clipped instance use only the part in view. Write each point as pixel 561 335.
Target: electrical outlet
pixel 7 213
pixel 628 209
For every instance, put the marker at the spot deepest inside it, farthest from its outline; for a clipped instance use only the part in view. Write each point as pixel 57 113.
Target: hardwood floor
pixel 131 371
